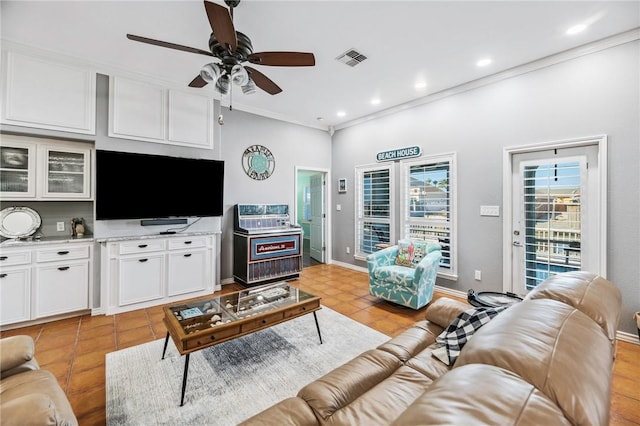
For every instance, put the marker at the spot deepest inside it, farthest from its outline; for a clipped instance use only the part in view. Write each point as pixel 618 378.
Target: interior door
pixel 317 224
pixel 555 214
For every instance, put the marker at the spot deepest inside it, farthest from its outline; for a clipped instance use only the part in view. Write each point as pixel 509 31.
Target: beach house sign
pixel 399 154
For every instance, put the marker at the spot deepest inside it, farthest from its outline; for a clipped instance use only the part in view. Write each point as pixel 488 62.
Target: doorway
pixel 555 212
pixel 311 214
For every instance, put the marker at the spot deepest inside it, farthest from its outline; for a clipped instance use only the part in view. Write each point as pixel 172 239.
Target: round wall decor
pixel 258 162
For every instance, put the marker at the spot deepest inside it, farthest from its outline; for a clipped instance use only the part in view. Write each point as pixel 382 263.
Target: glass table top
pixel 209 313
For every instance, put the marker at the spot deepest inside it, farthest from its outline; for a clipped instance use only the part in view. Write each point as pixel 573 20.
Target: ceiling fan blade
pixel 169 45
pixel 283 59
pixel 263 82
pixel 198 82
pixel 221 24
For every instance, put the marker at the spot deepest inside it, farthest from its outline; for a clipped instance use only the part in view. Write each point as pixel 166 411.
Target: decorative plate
pixel 258 162
pixel 19 222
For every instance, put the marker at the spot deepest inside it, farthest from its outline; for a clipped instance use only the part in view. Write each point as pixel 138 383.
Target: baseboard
pixel 350 266
pixel 628 337
pixel 227 281
pixel 451 292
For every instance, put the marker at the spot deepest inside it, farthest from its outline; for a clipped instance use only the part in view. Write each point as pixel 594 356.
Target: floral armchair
pixel 410 285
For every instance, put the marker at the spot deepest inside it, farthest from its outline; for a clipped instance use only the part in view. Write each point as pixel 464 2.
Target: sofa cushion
pixel 412 341
pixel 460 331
pixel 556 348
pixel 38 382
pixel 405 253
pixel 31 409
pixel 591 294
pixel 17 355
pixel 289 412
pixel 481 395
pixel 443 311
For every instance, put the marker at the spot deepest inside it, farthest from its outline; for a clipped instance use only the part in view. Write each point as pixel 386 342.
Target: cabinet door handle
pixel 187 242
pixel 3 275
pixel 187 255
pixel 142 245
pixel 63 268
pixel 142 260
pixel 63 252
pixel 3 257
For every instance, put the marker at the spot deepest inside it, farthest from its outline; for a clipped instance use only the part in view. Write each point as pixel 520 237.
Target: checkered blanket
pixel 458 333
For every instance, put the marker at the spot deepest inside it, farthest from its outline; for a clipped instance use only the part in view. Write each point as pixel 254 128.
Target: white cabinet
pixel 189 268
pixel 41 280
pixel 17 168
pixel 141 278
pixel 44 93
pixel 15 295
pixel 44 169
pixel 149 112
pixel 156 270
pixel 61 287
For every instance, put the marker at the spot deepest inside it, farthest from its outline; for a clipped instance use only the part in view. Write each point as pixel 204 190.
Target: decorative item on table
pixel 190 313
pixel 77 226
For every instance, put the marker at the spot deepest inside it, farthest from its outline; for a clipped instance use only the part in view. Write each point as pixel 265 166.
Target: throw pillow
pixel 421 248
pixel 405 253
pixel 461 329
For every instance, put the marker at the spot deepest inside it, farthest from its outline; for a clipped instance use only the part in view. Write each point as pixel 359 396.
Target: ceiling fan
pixel 233 49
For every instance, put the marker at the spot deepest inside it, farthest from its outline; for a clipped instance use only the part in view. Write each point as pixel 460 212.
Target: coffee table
pixel 209 321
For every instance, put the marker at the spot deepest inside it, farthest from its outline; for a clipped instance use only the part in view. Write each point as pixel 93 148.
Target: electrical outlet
pixel 348 250
pixel 338 207
pixel 478 275
pixel 60 226
pixel 489 210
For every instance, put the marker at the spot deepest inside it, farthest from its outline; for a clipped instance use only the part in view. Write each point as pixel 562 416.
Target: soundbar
pixel 154 222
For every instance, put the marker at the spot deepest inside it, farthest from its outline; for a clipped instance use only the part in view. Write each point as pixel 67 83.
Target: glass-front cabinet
pixel 34 168
pixel 17 166
pixel 65 172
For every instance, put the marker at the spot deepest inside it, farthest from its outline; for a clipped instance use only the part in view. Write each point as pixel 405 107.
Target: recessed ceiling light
pixel 375 101
pixel 420 85
pixel 483 62
pixel 320 118
pixel 341 113
pixel 576 29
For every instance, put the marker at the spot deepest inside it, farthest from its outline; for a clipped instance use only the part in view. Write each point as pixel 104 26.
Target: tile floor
pixel 74 349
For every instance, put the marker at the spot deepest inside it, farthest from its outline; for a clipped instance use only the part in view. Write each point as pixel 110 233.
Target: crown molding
pixel 547 61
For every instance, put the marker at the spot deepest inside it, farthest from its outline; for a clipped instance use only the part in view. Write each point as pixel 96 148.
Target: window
pixel 428 205
pixel 374 209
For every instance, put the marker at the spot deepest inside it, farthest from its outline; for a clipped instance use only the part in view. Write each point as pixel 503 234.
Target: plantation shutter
pixel 428 205
pixel 374 208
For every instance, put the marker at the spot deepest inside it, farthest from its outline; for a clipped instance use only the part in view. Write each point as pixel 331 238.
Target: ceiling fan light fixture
pixel 222 85
pixel 210 72
pixel 249 88
pixel 239 75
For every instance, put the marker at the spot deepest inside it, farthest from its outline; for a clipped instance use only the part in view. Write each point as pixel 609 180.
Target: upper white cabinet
pixel 44 169
pixel 43 93
pixel 149 112
pixel 137 110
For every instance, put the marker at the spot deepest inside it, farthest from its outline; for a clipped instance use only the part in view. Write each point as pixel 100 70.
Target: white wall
pixel 291 145
pixel 591 95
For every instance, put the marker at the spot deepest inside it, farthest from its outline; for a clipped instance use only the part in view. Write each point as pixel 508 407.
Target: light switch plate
pixel 60 226
pixel 489 210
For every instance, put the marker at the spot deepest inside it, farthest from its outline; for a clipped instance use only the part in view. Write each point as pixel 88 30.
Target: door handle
pixel 517 244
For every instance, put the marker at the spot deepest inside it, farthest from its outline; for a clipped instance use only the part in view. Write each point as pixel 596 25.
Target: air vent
pixel 351 57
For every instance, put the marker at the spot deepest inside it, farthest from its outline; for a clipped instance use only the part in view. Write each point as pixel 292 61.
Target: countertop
pixel 19 242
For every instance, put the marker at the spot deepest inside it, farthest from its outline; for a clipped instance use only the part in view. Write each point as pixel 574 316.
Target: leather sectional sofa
pixel 544 361
pixel 28 395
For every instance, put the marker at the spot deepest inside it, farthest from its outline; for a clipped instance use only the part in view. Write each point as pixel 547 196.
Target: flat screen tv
pixel 142 186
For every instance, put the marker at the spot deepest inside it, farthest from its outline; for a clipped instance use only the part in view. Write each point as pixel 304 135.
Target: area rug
pixel 232 381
